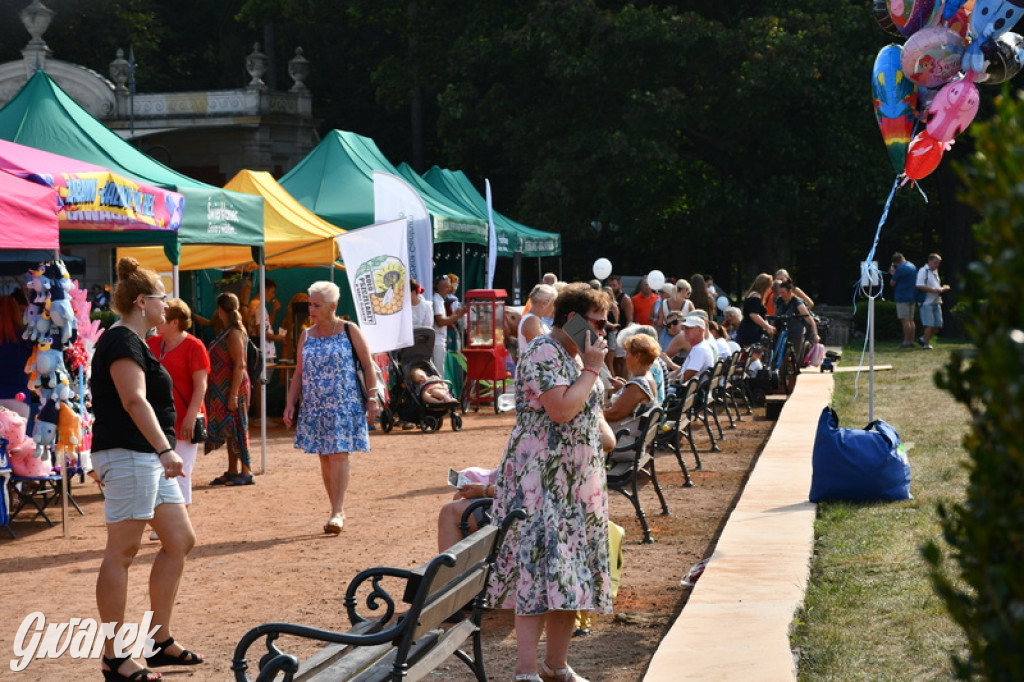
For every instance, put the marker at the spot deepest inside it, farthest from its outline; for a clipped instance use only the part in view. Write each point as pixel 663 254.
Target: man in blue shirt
pixel 903 278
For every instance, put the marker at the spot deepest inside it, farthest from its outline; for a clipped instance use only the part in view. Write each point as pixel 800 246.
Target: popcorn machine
pixel 485 353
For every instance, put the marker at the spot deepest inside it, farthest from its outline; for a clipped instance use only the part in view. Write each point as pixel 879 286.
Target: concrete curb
pixel 737 621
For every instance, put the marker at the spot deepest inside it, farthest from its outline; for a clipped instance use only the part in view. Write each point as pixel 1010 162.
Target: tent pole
pixel 463 280
pixel 175 276
pixel 263 365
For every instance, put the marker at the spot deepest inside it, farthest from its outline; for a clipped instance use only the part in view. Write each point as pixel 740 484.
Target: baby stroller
pixel 407 403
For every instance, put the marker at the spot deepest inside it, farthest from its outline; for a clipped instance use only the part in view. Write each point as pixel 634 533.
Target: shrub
pixel 887 325
pixel 979 569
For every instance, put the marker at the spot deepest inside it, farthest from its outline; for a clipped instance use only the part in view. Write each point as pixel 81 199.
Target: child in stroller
pixel 432 388
pixel 418 394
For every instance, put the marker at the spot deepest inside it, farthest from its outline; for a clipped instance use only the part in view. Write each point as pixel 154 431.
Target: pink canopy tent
pixel 93 197
pixel 28 214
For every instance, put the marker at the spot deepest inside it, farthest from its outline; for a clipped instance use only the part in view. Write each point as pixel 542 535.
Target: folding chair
pixel 676 424
pixel 41 492
pixel 700 410
pixel 720 392
pixel 623 476
pixel 736 382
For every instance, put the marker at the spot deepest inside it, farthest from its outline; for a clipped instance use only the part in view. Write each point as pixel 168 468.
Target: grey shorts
pixel 931 315
pixel 905 310
pixel 133 484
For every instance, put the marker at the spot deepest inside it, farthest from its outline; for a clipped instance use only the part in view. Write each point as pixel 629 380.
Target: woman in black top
pixel 133 454
pixel 753 322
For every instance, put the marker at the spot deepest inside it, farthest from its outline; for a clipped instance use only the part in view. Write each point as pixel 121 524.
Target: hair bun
pixel 126 266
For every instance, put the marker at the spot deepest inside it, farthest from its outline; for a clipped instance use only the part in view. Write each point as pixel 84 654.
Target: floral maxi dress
pixel 332 417
pixel 557 558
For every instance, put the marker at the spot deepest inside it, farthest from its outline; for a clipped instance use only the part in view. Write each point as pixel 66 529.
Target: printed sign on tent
pixel 394 198
pixel 377 263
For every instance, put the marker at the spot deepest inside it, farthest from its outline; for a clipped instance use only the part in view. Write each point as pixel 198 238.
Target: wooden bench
pixel 395 646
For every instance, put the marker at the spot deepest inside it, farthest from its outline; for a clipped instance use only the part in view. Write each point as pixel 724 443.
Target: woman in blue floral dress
pixel 555 562
pixel 333 418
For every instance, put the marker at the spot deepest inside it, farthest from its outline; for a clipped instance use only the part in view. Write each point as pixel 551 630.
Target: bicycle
pixel 785 359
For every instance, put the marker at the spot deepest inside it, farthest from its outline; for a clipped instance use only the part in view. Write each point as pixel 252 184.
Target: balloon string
pixel 885 216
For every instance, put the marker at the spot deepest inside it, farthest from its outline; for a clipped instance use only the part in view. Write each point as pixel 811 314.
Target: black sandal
pixel 224 478
pixel 112 675
pixel 161 658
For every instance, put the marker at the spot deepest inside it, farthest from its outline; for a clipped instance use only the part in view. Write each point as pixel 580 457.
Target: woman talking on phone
pixel 553 468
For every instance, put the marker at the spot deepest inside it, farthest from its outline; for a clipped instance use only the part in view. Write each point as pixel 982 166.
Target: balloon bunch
pixel 930 80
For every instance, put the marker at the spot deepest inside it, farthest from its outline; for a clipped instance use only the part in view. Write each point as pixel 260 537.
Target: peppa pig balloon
pixel 932 56
pixel 923 156
pixel 881 13
pixel 894 99
pixel 910 16
pixel 952 110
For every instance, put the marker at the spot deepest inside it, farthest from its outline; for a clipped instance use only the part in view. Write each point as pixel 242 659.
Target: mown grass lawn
pixel 870 611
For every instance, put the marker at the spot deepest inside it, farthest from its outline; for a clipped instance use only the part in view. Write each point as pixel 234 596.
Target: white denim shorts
pixel 133 484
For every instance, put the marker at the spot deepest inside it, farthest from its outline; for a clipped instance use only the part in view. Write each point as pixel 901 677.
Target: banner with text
pixel 377 263
pixel 394 198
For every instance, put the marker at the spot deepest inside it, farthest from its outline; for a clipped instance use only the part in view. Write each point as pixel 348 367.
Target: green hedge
pixel 887 326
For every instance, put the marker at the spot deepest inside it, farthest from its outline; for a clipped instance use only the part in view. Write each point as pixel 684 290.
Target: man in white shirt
pixel 931 310
pixel 702 355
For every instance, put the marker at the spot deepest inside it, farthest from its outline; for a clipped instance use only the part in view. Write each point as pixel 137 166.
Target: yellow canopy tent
pixel 294 236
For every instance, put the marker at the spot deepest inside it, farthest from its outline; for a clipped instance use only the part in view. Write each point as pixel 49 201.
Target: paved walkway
pixel 737 621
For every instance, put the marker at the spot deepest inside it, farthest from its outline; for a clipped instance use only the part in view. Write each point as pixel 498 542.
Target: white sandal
pixel 566 674
pixel 527 677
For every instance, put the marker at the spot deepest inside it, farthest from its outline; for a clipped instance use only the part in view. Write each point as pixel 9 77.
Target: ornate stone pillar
pixel 36 19
pixel 298 69
pixel 256 65
pixel 120 70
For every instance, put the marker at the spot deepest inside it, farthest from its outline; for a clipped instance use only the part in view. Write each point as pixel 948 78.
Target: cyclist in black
pixel 799 321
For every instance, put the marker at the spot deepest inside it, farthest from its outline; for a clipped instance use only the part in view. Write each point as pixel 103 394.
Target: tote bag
pixel 858 465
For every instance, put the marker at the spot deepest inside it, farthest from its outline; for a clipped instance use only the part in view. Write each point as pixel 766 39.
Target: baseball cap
pixel 698 312
pixel 693 321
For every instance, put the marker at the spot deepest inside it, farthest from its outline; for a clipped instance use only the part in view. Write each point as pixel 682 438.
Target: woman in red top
pixel 186 360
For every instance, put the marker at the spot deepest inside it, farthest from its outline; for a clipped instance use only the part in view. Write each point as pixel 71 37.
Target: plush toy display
pixel 57 319
pixel 20 448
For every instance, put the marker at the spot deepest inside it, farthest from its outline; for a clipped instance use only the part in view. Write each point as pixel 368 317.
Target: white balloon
pixel 602 268
pixel 722 303
pixel 656 279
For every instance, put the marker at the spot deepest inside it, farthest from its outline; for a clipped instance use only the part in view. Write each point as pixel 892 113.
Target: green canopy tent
pixel 335 181
pixel 512 236
pixel 43 116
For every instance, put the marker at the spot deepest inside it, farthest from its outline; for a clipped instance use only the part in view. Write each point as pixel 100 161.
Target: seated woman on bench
pixel 432 388
pixel 635 396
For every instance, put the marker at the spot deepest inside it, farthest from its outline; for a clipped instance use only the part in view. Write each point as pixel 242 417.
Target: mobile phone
pixel 453 477
pixel 578 329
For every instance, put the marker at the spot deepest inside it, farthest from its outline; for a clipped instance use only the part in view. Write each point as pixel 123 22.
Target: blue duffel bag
pixel 858 465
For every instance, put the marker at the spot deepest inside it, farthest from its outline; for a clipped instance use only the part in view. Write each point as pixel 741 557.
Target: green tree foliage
pixel 728 138
pixel 984 589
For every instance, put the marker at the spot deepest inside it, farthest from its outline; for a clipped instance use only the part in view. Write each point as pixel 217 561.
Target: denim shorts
pixel 133 484
pixel 931 315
